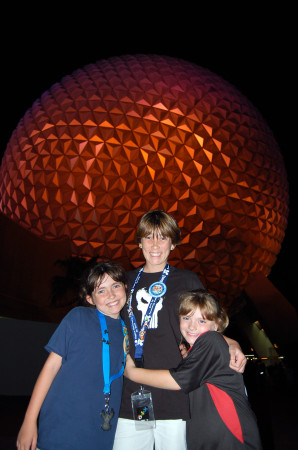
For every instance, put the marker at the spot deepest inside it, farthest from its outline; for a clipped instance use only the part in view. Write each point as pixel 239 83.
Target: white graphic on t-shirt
pixel 143 299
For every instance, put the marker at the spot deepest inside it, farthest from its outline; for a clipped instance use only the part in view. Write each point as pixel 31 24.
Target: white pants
pixel 167 435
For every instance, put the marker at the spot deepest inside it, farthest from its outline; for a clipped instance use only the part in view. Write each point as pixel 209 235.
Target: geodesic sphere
pixel 128 134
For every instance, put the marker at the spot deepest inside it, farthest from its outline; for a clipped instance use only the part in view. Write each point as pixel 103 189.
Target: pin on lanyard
pixel 156 290
pixel 107 413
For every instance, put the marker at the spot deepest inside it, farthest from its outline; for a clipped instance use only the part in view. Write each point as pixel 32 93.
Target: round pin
pixel 157 289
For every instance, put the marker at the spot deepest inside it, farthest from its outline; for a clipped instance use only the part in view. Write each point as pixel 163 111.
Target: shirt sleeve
pixel 201 363
pixel 59 340
pixel 198 284
pixel 194 282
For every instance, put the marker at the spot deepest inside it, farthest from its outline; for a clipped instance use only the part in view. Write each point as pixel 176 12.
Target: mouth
pixel 113 303
pixel 193 334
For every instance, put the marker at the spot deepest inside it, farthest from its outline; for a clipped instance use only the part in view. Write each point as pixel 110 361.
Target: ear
pixel 140 245
pixel 215 327
pixel 89 299
pixel 173 246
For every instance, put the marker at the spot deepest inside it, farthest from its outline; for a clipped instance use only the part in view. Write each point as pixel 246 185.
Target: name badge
pixel 157 289
pixel 142 408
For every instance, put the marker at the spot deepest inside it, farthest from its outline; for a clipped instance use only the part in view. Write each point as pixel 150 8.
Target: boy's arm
pixel 237 358
pixel 27 437
pixel 156 378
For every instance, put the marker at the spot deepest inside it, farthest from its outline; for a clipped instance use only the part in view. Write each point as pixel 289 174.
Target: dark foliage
pixel 65 288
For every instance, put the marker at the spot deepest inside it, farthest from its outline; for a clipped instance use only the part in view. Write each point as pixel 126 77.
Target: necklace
pixel 156 290
pixel 107 413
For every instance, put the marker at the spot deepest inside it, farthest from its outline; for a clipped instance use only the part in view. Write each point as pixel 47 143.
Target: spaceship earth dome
pixel 133 133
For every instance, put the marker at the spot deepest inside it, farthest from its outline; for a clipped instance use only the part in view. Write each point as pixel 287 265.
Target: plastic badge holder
pixel 142 408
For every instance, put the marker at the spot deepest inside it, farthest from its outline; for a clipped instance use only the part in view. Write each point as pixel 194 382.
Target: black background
pixel 254 50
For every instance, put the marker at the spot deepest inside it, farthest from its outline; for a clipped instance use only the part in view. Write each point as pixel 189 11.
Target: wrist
pixel 30 417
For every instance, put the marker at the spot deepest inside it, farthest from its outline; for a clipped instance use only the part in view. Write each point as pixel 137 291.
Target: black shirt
pixel 161 347
pixel 221 417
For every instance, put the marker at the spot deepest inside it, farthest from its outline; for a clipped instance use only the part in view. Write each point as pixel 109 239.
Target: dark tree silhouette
pixel 65 288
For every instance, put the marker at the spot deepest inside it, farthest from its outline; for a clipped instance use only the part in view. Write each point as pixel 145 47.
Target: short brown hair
pixel 159 221
pixel 208 304
pixel 94 275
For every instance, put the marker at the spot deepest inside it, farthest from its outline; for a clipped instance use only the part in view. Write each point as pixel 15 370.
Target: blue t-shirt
pixel 70 415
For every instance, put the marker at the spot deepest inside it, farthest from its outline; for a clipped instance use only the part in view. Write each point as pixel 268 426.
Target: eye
pixel 164 238
pixel 185 318
pixel 101 291
pixel 117 286
pixel 202 321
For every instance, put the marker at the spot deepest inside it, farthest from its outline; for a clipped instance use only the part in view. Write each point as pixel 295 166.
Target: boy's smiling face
pixel 109 297
pixel 156 249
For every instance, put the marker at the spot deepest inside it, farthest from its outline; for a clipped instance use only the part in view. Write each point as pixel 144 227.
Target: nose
pixel 111 293
pixel 192 325
pixel 155 242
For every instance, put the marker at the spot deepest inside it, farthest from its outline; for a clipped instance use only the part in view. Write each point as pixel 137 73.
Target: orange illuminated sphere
pixel 129 134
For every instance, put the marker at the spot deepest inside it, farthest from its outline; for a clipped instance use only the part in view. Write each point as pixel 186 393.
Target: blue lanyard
pixel 106 353
pixel 156 290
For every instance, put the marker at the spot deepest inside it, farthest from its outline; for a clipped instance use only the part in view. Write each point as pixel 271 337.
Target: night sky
pixel 254 51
